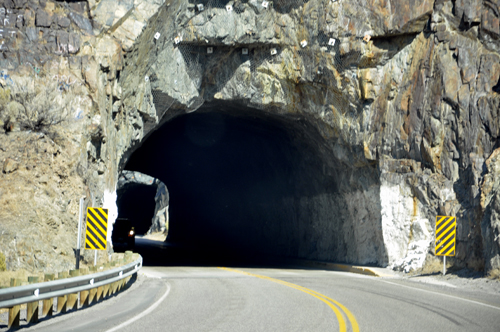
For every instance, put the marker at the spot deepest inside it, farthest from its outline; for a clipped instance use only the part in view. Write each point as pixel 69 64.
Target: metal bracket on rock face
pixel 331 42
pixel 200 7
pixel 265 4
pixel 229 8
pixel 303 43
pixel 157 35
pixel 210 50
pixel 274 51
pixel 177 39
pixel 244 51
pixel 146 78
pixel 367 37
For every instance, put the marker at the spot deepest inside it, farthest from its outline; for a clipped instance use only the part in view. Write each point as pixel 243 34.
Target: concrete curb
pixel 370 271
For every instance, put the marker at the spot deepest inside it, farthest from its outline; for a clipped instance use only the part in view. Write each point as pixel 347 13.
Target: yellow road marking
pixel 319 296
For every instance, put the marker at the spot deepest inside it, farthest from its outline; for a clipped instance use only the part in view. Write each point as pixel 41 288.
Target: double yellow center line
pixel 337 307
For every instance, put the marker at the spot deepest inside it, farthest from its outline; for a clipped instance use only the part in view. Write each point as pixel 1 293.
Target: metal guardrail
pixel 44 290
pixel 14 296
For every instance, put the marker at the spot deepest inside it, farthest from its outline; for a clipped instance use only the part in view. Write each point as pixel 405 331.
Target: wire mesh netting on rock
pixel 292 40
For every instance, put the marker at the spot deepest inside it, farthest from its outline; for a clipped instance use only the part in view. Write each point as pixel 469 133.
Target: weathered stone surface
pixel 73 43
pixel 490 203
pixel 32 34
pixel 490 21
pixel 63 22
pixel 20 3
pixel 468 10
pixel 81 21
pixel 78 6
pixel 62 42
pixel 10 165
pixel 43 19
pixel 161 217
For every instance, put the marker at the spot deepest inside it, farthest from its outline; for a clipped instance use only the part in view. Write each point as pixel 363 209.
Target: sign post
pixel 78 244
pixel 446 229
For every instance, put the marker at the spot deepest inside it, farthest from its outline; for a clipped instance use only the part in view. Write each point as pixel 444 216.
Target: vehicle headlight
pixel 131 233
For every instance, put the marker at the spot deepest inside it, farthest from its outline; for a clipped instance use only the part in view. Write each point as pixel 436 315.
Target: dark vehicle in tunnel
pixel 123 235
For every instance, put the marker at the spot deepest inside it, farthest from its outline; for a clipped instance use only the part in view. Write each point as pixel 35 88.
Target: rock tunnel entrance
pixel 245 182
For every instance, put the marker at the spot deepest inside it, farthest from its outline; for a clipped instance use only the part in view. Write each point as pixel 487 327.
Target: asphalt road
pixel 200 297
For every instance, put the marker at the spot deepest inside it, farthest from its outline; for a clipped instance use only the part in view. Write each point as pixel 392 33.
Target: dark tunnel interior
pixel 235 177
pixel 136 202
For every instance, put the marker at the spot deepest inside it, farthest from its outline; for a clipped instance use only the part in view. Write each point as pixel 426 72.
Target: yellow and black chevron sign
pixel 446 229
pixel 97 228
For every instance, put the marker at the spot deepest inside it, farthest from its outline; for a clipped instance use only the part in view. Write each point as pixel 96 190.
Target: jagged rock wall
pixel 413 107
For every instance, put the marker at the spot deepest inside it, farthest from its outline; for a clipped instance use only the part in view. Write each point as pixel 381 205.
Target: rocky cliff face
pixel 399 101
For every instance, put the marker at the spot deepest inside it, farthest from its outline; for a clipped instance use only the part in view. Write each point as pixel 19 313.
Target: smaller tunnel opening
pixel 136 202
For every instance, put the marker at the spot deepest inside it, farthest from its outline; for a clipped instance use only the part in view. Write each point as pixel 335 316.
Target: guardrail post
pixel 32 310
pixel 84 295
pixel 105 290
pixel 48 304
pixel 15 311
pixel 14 315
pixel 114 285
pixel 73 298
pixel 100 294
pixel 62 300
pixel 93 291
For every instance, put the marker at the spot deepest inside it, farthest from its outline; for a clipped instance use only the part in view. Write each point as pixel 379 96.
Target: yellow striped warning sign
pixel 446 229
pixel 97 228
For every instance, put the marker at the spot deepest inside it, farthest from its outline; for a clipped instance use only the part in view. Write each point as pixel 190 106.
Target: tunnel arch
pixel 305 85
pixel 143 200
pixel 256 183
